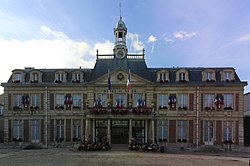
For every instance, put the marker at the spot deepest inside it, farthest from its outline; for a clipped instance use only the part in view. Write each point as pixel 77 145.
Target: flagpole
pixel 109 84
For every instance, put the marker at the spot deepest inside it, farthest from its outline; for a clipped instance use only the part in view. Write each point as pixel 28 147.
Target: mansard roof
pixel 136 66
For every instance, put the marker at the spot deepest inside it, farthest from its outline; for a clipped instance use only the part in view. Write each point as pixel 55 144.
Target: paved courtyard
pixel 72 157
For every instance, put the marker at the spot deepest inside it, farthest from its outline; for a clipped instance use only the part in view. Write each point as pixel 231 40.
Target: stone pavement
pixel 69 156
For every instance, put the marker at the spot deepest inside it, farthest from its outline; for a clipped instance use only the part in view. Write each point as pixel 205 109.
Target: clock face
pixel 120 54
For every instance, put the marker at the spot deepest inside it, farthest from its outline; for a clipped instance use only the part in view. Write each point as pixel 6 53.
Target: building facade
pixel 123 98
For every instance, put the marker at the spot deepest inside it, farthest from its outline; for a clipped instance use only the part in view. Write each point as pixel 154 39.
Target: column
pixel 93 130
pixel 130 131
pixel 109 133
pixel 146 130
pixel 153 131
pixel 87 129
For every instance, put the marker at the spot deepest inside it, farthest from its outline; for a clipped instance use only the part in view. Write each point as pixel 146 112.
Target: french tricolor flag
pixel 129 82
pixel 109 82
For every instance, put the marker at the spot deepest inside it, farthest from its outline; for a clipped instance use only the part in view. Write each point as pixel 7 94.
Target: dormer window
pixel 208 75
pixel 34 78
pixel 77 76
pixel 227 75
pixel 182 77
pixel 163 76
pixel 60 77
pixel 17 78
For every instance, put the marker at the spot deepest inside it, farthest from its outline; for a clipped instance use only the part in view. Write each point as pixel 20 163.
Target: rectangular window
pixel 182 101
pixel 182 130
pixel 209 76
pixel 162 100
pixel 76 128
pixel 208 101
pixel 163 130
pixel 120 100
pixel 60 77
pixel 17 100
pixel 209 132
pixel 228 100
pixel 162 76
pixel 34 127
pixel 17 129
pixel 35 100
pixel 17 76
pixel 59 100
pixel 60 129
pixel 137 99
pixel 34 77
pixel 182 76
pixel 227 130
pixel 77 100
pixel 77 76
pixel 227 75
pixel 101 97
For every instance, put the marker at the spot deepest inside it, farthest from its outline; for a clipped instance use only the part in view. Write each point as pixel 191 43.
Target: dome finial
pixel 120 6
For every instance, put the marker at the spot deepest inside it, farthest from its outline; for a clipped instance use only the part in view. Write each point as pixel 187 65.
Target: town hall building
pixel 121 98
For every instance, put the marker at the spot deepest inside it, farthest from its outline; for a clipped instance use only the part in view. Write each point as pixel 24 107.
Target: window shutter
pixel 172 131
pixel 191 129
pixel 155 100
pixel 191 102
pixel 10 131
pixel 42 130
pixel 9 101
pixel 42 102
pixel 202 102
pixel 85 100
pixel 219 131
pixel 201 132
pixel 52 101
pixel 237 102
pixel 68 130
pixel 26 131
pixel 237 132
pixel 51 129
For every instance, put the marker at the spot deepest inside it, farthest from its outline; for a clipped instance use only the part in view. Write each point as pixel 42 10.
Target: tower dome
pixel 120 25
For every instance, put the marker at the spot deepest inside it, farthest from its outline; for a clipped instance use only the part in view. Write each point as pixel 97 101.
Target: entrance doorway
pixel 119 132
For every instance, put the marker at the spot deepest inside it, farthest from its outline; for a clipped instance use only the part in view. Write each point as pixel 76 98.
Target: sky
pixel 66 34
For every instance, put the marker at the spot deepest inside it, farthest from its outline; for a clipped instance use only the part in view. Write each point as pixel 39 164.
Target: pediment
pixel 120 77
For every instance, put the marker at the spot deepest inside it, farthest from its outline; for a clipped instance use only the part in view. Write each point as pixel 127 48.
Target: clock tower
pixel 120 32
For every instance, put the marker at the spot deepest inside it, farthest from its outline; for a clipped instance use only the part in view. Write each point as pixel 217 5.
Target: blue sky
pixel 66 34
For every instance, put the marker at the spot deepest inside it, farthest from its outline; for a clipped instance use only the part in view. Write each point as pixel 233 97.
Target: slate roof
pixel 136 66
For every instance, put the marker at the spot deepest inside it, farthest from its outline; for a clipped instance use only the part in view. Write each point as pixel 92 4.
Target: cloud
pixel 168 40
pixel 103 48
pixel 56 34
pixel 59 51
pixel 152 39
pixel 135 45
pixel 243 38
pixel 180 35
pixel 184 35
